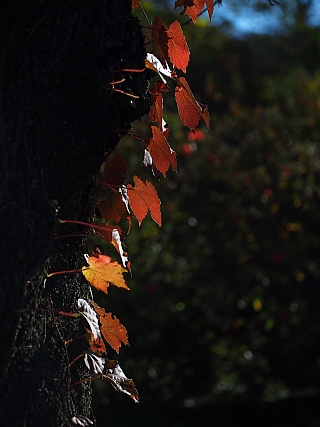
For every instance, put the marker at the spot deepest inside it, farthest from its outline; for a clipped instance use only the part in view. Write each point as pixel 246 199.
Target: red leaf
pixel 177 47
pixel 134 4
pixel 160 40
pixel 156 109
pixel 190 111
pixel 112 330
pixel 210 7
pixel 162 155
pixel 143 197
pixel 105 231
pixel 114 207
pixel 115 170
pixel 193 8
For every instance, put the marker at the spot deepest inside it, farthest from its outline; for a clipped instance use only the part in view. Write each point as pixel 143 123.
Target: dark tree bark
pixel 59 119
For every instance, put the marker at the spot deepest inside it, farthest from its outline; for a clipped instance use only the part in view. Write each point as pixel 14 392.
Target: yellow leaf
pixel 103 271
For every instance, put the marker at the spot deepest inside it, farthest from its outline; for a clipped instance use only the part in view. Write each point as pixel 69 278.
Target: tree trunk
pixel 59 119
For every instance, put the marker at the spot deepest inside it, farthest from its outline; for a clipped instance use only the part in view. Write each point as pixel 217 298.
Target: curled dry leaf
pixel 94 363
pixel 147 161
pixel 153 63
pixel 114 374
pixel 111 329
pixel 91 317
pixel 110 370
pixel 103 271
pixel 93 335
pixel 80 421
pixel 117 242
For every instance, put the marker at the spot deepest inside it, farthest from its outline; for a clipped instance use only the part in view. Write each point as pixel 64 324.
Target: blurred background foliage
pixel 224 300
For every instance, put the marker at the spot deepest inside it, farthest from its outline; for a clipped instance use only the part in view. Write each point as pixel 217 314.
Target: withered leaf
pixel 114 374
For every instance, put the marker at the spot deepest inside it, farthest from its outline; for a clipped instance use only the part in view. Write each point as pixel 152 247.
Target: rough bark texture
pixel 59 118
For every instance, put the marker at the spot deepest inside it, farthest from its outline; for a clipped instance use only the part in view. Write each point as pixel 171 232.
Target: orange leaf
pixel 177 47
pixel 190 111
pixel 193 8
pixel 143 197
pixel 160 40
pixel 112 330
pixel 162 155
pixel 103 271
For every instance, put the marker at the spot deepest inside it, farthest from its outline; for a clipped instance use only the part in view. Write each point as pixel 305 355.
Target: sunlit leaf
pixel 117 242
pixel 153 63
pixel 162 155
pixel 94 363
pixel 91 317
pixel 103 271
pixel 111 329
pixel 193 8
pixel 178 50
pixel 143 197
pixel 190 111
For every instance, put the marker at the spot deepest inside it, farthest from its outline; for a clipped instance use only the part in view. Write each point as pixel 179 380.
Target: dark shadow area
pixel 291 413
